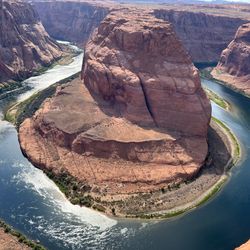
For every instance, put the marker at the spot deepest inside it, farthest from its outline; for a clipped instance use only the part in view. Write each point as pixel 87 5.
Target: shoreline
pixel 215 189
pixel 9 235
pixel 87 199
pixel 17 238
pixel 217 99
pixel 10 87
pixel 206 74
pixel 15 113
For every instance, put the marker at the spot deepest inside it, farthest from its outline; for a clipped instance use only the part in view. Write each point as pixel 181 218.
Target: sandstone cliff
pixel 141 68
pixel 71 21
pixel 139 122
pixel 205 32
pixel 203 35
pixel 24 44
pixel 234 65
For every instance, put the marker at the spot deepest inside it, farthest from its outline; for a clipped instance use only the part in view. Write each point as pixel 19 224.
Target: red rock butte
pixel 138 121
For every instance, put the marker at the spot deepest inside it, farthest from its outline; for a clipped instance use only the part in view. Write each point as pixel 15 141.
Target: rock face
pixel 138 123
pixel 141 68
pixel 234 64
pixel 24 44
pixel 71 21
pixel 203 35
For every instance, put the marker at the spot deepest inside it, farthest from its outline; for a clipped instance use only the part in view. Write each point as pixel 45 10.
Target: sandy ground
pixel 9 242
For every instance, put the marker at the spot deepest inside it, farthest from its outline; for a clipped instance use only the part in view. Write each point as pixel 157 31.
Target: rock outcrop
pixel 234 65
pixel 204 35
pixel 141 68
pixel 138 123
pixel 25 46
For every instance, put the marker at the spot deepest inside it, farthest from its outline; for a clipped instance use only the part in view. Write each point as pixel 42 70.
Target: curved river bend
pixel 33 204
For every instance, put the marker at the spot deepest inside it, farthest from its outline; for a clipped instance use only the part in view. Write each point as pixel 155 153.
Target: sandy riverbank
pixel 211 178
pixel 10 239
pixel 236 84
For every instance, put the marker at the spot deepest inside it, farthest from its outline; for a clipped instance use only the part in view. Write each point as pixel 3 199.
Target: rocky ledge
pixel 25 46
pixel 138 122
pixel 234 65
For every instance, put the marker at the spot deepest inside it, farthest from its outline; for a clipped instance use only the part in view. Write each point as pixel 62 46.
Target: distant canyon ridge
pixel 205 30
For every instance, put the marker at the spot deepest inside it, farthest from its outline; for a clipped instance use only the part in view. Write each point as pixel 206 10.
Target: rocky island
pixel 130 138
pixel 234 65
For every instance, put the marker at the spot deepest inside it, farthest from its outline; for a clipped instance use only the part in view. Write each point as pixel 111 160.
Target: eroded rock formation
pixel 138 123
pixel 234 65
pixel 24 44
pixel 141 68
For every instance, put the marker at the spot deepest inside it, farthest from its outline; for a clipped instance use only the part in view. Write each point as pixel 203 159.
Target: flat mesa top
pixel 226 10
pixel 136 20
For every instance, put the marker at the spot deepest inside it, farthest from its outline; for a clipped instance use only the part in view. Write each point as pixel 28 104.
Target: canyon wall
pixel 24 45
pixel 71 21
pixel 234 65
pixel 203 35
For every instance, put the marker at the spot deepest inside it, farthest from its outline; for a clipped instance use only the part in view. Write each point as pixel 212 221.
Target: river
pixel 33 204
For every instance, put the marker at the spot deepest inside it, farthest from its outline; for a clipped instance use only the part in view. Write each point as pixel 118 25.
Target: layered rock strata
pixel 138 122
pixel 71 21
pixel 234 65
pixel 204 35
pixel 25 46
pixel 205 30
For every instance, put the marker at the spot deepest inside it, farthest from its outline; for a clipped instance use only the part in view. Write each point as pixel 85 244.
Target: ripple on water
pixel 71 226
